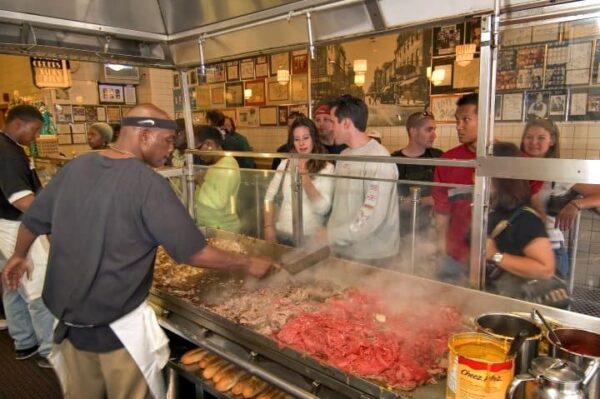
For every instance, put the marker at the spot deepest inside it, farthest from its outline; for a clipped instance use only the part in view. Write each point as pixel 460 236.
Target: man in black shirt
pixel 420 127
pixel 29 321
pixel 108 212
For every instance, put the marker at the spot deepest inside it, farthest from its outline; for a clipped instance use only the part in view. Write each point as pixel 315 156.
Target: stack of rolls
pixel 226 376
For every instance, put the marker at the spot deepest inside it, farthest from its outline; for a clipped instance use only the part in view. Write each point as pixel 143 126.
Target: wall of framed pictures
pixel 549 71
pixel 223 86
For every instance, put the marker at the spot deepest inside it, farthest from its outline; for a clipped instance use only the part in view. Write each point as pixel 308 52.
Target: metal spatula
pixel 300 259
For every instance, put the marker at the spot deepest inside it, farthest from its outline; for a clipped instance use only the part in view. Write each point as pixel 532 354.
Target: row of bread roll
pixel 226 376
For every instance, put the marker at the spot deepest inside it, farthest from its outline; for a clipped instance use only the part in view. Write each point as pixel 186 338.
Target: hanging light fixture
pixel 464 54
pixel 360 66
pixel 247 93
pixel 437 76
pixel 359 79
pixel 283 76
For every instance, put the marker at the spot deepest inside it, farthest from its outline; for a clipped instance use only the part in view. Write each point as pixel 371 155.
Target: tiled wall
pixel 580 140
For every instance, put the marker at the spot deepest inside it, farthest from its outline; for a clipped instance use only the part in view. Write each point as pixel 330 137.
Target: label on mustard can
pixel 478 367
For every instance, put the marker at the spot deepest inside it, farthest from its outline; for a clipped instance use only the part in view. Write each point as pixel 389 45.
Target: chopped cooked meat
pixel 404 349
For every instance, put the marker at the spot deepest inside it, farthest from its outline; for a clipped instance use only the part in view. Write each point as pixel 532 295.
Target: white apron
pixel 38 256
pixel 145 341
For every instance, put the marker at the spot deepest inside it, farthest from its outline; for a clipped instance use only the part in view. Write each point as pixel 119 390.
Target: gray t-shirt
pixel 107 217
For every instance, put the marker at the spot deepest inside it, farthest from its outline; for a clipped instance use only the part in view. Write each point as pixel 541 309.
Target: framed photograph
pixel 192 77
pixel 530 78
pixel 299 88
pixel 558 105
pixel 467 76
pixel 78 128
pixel 444 107
pixel 234 94
pixel 203 96
pixel 446 38
pixel 62 96
pixel 279 61
pixel 515 37
pixel 113 114
pixel 231 113
pixel 217 95
pixel 101 114
pixel 248 117
pixel 537 104
pixel 531 57
pixel 593 105
pixel 199 117
pixel 557 54
pixel 64 113
pixel 79 138
pixel 178 100
pixel 580 55
pixel 282 112
pixel 299 62
pixel 258 92
pixel 261 68
pixel 445 64
pixel 578 76
pixel 578 102
pixel 233 71
pixel 596 65
pixel 581 28
pixel 79 113
pixel 247 68
pixel 63 128
pixel 176 82
pixel 267 116
pixel 111 94
pixel 302 108
pixel 512 107
pixel 556 76
pixel 130 95
pixel 64 139
pixel 498 107
pixel 506 80
pixel 545 33
pixel 277 92
pixel 192 94
pixel 215 73
pixel 507 60
pixel 473 33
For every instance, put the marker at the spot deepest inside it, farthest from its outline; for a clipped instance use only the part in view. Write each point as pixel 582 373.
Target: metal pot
pixel 581 347
pixel 554 379
pixel 506 326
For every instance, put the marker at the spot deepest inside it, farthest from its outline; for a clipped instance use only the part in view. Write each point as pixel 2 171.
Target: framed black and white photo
pixel 537 104
pixel 557 105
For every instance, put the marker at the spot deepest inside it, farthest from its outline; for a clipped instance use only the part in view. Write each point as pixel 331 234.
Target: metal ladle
pixel 551 332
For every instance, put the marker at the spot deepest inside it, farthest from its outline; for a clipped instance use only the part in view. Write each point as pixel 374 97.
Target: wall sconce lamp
pixel 464 54
pixel 247 94
pixel 283 76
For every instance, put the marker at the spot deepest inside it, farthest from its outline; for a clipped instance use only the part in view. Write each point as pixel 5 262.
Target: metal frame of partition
pixel 576 171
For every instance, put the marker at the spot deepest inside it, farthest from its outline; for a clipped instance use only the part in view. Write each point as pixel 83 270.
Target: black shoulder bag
pixel 550 292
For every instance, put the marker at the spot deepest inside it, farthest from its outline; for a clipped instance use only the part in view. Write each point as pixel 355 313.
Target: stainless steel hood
pixel 165 33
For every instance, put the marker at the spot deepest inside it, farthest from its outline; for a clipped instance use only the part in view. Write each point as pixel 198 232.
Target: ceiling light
pixel 359 79
pixel 117 67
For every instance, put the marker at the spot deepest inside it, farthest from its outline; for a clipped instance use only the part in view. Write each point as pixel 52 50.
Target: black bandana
pixel 152 123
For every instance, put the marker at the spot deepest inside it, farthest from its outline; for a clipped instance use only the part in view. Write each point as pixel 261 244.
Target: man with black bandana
pixel 107 213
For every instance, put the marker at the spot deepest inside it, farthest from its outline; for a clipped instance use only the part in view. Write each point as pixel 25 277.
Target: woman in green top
pixel 216 196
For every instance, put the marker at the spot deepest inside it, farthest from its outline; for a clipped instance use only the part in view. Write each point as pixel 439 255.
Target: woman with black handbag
pixel 557 202
pixel 518 249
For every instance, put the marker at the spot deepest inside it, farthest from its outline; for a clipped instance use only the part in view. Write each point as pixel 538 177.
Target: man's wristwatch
pixel 497 257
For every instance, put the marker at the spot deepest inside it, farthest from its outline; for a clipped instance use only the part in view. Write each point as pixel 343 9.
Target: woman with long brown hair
pixel 317 190
pixel 517 243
